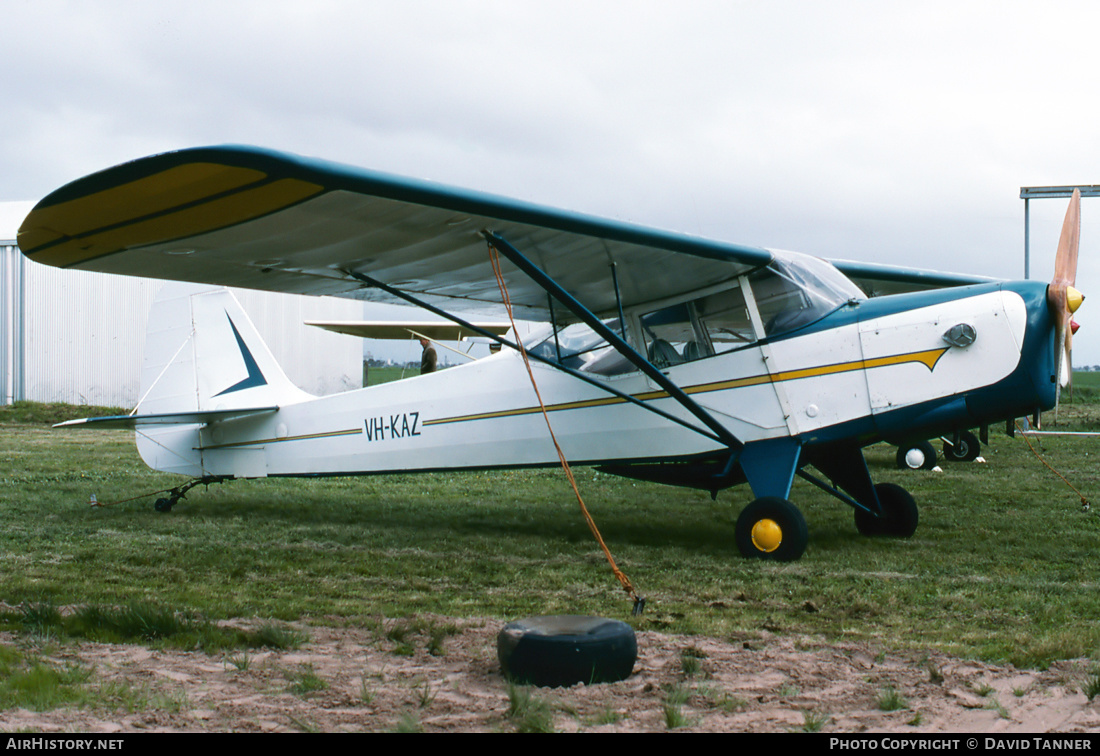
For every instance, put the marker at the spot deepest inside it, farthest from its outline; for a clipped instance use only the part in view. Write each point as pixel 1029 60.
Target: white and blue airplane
pixel 667 357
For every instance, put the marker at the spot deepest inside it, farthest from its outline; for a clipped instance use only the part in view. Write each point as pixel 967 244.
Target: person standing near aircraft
pixel 428 358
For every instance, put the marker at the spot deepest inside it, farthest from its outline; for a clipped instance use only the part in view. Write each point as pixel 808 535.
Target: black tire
pixel 562 650
pixel 918 456
pixel 771 528
pixel 966 450
pixel 900 514
pixel 163 505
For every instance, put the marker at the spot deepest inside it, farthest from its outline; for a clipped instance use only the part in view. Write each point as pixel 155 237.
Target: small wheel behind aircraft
pixel 966 450
pixel 771 528
pixel 165 504
pixel 899 513
pixel 918 456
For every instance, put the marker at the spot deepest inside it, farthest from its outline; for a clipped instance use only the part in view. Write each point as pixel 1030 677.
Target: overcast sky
pixel 881 131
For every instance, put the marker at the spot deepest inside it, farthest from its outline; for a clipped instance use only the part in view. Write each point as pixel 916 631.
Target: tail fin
pixel 202 353
pixel 204 362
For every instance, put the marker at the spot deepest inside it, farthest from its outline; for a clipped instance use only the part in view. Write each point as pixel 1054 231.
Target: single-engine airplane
pixel 667 358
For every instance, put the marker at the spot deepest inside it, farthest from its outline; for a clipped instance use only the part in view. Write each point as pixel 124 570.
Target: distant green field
pixel 1086 384
pixel 1001 567
pixel 377 375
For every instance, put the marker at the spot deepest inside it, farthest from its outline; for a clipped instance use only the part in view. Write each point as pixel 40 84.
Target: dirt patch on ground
pixel 350 679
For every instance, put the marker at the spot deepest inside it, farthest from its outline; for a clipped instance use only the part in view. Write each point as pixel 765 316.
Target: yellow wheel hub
pixel 767 535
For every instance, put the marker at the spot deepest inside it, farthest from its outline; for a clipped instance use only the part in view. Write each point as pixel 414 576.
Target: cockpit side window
pixel 793 291
pixel 725 318
pixel 782 304
pixel 700 328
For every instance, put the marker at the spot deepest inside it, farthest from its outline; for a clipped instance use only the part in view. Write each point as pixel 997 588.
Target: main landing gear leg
pixel 883 509
pixel 771 527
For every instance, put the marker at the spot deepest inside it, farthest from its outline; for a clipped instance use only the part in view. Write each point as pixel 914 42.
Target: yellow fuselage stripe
pixel 305 437
pixel 928 358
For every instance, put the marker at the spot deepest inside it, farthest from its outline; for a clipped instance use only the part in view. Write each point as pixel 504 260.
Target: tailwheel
pixel 899 513
pixel 165 503
pixel 965 450
pixel 771 528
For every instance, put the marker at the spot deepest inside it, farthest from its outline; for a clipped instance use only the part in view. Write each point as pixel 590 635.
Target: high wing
pixel 881 280
pixel 247 217
pixel 240 216
pixel 388 329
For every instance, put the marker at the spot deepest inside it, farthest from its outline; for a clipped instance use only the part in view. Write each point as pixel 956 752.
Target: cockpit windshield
pixel 815 276
pixel 796 289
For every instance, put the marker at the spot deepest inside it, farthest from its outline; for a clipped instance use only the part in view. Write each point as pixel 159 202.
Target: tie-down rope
pixel 639 602
pixel 1084 502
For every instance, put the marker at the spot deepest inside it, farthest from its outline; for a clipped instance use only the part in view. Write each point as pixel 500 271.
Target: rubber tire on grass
pixel 900 510
pixel 562 650
pixel 925 448
pixel 968 449
pixel 792 526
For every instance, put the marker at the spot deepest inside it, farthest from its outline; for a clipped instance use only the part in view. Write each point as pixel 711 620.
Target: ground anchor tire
pixel 562 650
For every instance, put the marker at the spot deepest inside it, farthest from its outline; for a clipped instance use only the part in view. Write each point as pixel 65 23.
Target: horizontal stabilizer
pixel 388 329
pixel 168 418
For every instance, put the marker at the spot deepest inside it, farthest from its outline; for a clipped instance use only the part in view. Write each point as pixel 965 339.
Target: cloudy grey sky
pixel 881 131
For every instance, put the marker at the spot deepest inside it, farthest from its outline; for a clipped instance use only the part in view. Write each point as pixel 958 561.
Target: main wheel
pixel 899 513
pixel 966 450
pixel 565 650
pixel 918 456
pixel 771 528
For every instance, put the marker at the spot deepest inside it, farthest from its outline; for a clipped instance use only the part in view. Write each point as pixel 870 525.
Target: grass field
pixel 1001 567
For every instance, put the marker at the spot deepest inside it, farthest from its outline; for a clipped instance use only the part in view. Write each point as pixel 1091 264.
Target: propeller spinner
pixel 1062 298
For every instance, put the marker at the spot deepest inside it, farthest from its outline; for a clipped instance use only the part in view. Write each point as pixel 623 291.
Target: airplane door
pixel 709 347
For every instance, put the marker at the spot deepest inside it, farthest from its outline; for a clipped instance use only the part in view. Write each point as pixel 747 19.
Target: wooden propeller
pixel 1062 298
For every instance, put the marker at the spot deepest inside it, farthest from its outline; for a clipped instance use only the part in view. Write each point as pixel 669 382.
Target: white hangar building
pixel 77 337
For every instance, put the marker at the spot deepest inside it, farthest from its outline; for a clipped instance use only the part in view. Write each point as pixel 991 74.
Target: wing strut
pixel 505 342
pixel 619 344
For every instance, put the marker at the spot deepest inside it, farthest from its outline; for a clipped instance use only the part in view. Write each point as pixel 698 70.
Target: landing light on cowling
pixel 960 335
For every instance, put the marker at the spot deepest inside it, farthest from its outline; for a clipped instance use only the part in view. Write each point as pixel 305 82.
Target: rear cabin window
pixel 577 346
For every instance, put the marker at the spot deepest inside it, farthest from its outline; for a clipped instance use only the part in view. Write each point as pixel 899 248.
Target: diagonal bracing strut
pixel 365 279
pixel 618 343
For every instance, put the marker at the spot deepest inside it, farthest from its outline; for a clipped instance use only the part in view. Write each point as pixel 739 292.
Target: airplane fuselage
pixel 877 369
